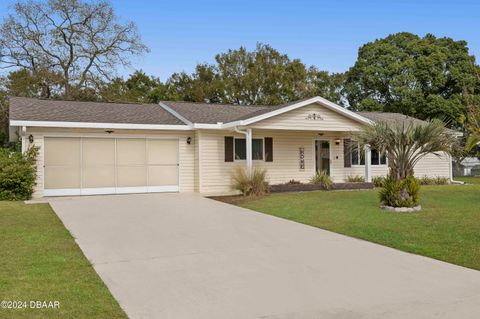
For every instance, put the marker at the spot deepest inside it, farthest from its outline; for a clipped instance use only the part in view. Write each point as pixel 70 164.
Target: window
pixel 377 159
pixel 358 157
pixel 257 149
pixel 241 149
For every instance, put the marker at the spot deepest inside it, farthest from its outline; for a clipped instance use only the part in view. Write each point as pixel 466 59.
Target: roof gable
pixel 225 115
pixel 312 117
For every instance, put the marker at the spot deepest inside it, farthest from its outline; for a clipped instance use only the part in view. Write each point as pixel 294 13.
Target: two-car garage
pixel 91 165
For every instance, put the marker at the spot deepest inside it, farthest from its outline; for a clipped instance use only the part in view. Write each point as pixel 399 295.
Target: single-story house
pixel 470 166
pixel 106 148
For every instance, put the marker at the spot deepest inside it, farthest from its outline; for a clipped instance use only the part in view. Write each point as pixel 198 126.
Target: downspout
pixel 248 143
pixel 451 172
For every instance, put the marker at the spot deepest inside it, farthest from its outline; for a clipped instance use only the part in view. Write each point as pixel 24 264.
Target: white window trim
pixel 359 159
pixel 254 138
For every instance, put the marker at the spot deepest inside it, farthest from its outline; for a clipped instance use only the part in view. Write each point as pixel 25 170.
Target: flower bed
pixel 282 188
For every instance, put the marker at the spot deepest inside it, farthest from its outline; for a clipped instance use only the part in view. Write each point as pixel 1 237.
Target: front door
pixel 322 156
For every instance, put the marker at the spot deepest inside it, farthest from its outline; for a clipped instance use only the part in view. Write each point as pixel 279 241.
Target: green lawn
pixel 41 261
pixel 469 180
pixel 448 228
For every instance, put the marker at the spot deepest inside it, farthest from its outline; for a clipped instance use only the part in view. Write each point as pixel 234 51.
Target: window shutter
pixel 228 148
pixel 347 153
pixel 268 149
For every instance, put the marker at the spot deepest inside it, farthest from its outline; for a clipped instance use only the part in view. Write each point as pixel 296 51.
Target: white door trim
pixel 329 140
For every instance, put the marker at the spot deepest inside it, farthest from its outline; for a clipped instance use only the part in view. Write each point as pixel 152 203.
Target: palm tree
pixel 405 143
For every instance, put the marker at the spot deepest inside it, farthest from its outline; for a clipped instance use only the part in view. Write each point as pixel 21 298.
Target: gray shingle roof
pixel 30 109
pixel 390 118
pixel 208 113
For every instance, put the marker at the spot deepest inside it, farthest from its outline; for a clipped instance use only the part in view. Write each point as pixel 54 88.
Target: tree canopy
pixel 72 44
pixel 71 49
pixel 422 77
pixel 263 76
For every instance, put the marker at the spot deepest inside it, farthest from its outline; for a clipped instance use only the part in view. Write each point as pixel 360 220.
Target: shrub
pixel 378 181
pixel 355 179
pixel 403 193
pixel 255 185
pixel 322 178
pixel 425 180
pixel 17 174
pixel 293 182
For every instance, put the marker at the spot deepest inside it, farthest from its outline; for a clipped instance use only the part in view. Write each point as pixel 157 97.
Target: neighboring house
pixel 105 148
pixel 468 167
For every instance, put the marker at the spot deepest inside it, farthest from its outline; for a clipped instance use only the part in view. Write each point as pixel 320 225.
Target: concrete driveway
pixel 184 256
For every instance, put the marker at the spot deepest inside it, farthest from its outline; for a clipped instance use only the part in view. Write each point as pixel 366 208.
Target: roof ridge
pixel 218 104
pixel 79 101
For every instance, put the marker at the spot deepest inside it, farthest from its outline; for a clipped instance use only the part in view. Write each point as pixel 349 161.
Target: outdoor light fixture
pixel 321 134
pixel 109 131
pixel 337 141
pixel 189 140
pixel 30 138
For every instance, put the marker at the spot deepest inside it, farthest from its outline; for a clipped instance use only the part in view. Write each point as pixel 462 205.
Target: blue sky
pixel 327 34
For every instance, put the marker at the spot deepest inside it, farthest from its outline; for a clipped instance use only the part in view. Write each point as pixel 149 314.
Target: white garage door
pixel 86 166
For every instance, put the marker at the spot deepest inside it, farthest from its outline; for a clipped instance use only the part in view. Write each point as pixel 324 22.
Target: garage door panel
pixel 98 151
pixel 110 165
pixel 161 152
pixel 162 175
pixel 131 176
pixel 62 177
pixel 99 176
pixel 61 151
pixel 62 163
pixel 131 151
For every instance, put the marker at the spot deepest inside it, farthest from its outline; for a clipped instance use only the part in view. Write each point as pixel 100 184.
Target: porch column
pixel 23 137
pixel 368 166
pixel 248 141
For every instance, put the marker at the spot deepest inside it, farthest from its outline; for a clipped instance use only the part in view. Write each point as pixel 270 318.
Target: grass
pixel 469 179
pixel 448 227
pixel 41 261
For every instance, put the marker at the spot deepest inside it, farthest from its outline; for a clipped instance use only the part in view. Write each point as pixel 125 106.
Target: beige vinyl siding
pixel 186 151
pixel 433 166
pixel 216 172
pixel 296 120
pixel 38 142
pixel 197 171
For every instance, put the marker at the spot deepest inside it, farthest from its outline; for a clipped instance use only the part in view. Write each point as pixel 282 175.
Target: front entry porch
pixel 329 152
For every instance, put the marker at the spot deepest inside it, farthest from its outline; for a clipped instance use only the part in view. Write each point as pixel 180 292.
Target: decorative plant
pixel 355 179
pixel 378 181
pixel 253 185
pixel 322 178
pixel 404 193
pixel 293 182
pixel 406 143
pixel 425 180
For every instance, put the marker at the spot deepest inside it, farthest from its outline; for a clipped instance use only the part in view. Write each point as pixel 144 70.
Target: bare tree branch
pixel 83 41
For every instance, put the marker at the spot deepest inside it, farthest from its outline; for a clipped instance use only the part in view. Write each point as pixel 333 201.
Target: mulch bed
pixel 282 188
